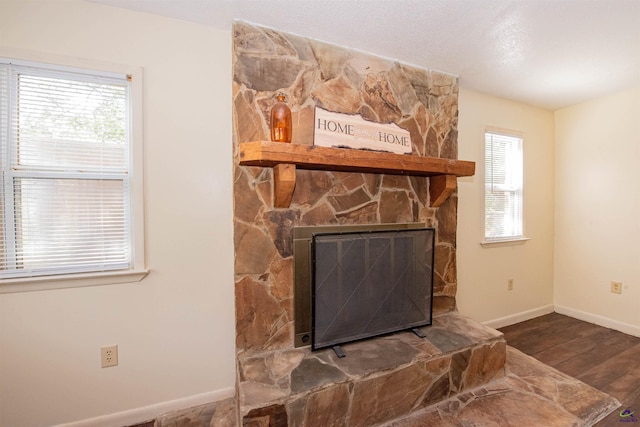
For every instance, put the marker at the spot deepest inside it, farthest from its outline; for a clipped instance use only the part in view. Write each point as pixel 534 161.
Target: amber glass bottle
pixel 280 121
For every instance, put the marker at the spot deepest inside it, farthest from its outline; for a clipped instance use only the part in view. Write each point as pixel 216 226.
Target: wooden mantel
pixel 285 158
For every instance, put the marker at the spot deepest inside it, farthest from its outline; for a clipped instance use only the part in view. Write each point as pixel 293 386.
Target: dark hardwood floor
pixel 603 358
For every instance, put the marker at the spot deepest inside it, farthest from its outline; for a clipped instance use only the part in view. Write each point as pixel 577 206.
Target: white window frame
pixel 515 188
pixel 137 270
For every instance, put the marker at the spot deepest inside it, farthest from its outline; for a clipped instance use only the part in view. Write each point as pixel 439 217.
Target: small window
pixel 66 185
pixel 503 187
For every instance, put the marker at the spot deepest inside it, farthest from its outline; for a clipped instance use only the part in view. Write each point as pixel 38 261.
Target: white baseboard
pixel 599 320
pixel 519 317
pixel 147 413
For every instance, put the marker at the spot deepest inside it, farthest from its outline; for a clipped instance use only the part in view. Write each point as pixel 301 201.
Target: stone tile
pixel 444 268
pixel 428 419
pixel 449 147
pixel 364 63
pixel 257 315
pixel 419 81
pixel 387 396
pixel 337 95
pixel 246 199
pixel 346 202
pixel 395 206
pixel 216 414
pixel 264 192
pixel 402 90
pixel 311 187
pixel 270 416
pixel 198 416
pixel 366 214
pixel 256 394
pixel 583 402
pixel 376 93
pixel 420 186
pixel 328 407
pixel 509 402
pixel 443 304
pixel 440 385
pixel 446 341
pixel 516 409
pixel 456 322
pixel 348 180
pixel 372 183
pixel 282 277
pixel 446 216
pixel 311 373
pixel 370 356
pixel 321 214
pixel 251 127
pixel 254 249
pixel 267 74
pixel 302 120
pixel 280 228
pixel 224 414
pixel 395 182
pixel 485 364
pixel 331 59
pixel 459 365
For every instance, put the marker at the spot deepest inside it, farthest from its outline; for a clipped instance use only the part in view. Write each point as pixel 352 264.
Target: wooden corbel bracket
pixel 284 182
pixel 440 188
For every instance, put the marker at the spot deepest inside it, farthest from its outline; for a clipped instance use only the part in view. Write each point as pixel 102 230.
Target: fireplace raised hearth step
pixel 379 380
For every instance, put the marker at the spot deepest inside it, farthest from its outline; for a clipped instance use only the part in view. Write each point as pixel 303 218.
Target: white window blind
pixel 503 186
pixel 65 153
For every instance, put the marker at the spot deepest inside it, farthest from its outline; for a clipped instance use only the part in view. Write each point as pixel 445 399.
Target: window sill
pixel 505 242
pixel 28 284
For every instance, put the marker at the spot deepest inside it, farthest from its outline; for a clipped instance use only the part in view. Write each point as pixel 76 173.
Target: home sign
pixel 352 131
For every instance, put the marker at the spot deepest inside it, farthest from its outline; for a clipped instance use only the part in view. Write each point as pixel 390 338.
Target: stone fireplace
pixel 278 383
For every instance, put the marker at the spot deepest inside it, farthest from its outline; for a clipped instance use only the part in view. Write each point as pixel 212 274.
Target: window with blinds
pixel 503 187
pixel 65 158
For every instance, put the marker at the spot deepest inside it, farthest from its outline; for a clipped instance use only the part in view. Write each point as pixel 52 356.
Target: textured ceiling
pixel 547 53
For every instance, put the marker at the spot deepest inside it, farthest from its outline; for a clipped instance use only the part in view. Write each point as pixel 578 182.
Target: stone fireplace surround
pixel 383 378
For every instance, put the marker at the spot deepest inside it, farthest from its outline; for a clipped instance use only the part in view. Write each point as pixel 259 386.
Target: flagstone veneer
pixel 380 379
pixel 311 73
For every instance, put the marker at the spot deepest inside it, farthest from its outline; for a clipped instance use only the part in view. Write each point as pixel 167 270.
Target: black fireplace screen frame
pixel 368 283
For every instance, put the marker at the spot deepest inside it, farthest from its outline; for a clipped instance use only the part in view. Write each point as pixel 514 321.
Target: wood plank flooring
pixel 603 358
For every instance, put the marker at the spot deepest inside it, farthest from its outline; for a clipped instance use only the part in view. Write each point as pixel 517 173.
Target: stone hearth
pixel 379 379
pixel 530 394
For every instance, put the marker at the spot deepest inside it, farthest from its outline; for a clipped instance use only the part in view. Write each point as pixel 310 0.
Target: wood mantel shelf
pixel 285 158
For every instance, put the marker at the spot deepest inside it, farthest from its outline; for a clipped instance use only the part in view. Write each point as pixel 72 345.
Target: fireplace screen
pixel 370 283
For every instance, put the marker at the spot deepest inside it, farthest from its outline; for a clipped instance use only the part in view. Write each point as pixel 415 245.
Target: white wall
pixel 483 271
pixel 175 330
pixel 598 210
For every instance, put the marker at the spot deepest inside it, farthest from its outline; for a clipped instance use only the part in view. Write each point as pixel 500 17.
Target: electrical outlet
pixel 509 284
pixel 109 356
pixel 616 287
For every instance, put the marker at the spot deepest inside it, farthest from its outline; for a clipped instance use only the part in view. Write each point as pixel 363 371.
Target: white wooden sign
pixel 352 131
